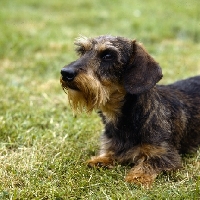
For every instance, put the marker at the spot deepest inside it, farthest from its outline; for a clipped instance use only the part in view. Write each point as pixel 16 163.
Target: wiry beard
pixel 85 93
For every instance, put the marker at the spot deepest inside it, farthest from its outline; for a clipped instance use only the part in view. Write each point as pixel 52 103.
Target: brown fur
pixel 146 125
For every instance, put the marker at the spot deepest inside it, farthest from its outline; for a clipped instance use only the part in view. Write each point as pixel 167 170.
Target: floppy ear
pixel 142 72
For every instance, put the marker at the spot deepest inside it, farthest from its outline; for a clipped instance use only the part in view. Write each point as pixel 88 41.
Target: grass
pixel 43 146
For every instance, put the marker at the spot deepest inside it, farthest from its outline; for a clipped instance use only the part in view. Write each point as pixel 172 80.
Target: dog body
pixel 146 125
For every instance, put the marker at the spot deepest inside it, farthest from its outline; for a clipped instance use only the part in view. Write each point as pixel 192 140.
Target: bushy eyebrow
pixel 100 47
pixel 82 44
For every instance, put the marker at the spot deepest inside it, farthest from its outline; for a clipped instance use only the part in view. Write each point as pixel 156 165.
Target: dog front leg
pixel 103 160
pixel 143 174
pixel 106 158
pixel 152 160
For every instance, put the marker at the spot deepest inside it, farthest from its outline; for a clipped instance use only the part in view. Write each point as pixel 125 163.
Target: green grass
pixel 43 146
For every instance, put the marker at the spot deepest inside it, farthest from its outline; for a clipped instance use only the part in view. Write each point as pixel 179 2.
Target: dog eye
pixel 107 56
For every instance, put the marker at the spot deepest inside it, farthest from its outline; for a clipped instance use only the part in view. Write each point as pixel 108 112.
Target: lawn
pixel 43 144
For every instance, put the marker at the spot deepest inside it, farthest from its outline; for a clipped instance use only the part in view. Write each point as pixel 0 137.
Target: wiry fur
pixel 91 95
pixel 146 125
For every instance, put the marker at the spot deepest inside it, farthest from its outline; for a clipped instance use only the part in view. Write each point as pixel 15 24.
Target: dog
pixel 147 126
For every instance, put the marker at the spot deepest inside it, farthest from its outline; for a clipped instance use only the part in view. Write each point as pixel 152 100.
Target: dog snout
pixel 68 74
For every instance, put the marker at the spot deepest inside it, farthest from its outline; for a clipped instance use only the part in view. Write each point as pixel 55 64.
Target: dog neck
pixel 112 108
pixel 119 99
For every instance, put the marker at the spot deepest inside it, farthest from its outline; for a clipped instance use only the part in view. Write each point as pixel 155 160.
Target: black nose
pixel 68 74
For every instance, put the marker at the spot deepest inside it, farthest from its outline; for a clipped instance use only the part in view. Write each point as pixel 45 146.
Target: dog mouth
pixel 68 85
pixel 73 87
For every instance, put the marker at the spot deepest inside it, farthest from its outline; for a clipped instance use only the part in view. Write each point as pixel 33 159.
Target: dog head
pixel 108 68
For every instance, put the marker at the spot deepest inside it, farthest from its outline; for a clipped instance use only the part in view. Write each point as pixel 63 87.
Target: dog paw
pixel 100 162
pixel 143 179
